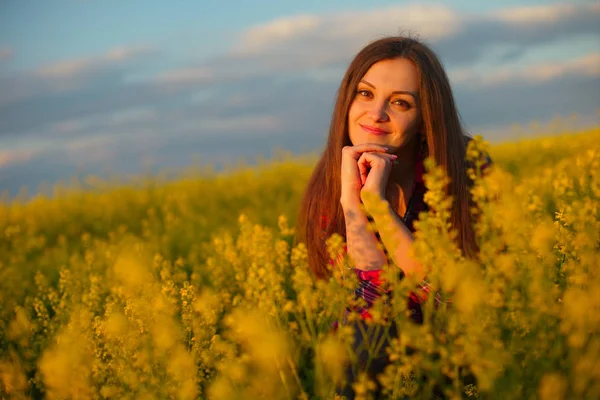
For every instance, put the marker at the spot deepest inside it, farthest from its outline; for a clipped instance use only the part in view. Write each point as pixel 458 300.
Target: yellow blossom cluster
pixel 197 288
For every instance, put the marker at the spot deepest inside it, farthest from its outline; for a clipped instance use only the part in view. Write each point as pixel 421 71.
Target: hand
pixel 375 170
pixel 353 178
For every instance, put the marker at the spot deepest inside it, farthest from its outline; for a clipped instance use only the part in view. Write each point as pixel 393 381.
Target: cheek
pixel 353 112
pixel 410 123
pixel 414 124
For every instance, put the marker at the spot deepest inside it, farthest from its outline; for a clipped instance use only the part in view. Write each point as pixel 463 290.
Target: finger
pixel 369 159
pixel 379 154
pixel 355 151
pixel 362 168
pixel 371 156
pixel 371 147
pixel 385 155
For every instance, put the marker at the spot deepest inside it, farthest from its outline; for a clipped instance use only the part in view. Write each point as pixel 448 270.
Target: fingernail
pixel 394 156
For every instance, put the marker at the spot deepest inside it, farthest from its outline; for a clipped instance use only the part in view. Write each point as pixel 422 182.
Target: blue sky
pixel 90 86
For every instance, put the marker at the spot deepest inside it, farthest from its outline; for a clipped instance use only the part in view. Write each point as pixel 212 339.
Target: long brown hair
pixel 321 214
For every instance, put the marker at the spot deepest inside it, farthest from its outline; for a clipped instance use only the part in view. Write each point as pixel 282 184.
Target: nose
pixel 378 111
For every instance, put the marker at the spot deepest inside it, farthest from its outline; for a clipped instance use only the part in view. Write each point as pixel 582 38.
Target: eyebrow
pixel 396 92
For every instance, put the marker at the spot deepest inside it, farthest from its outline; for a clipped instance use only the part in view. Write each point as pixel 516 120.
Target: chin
pixel 400 146
pixel 395 146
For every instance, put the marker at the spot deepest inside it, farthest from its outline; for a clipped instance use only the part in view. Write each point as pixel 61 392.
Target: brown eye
pixel 402 103
pixel 363 93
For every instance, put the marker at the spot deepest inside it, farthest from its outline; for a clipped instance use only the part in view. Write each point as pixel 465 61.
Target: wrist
pixel 350 203
pixel 374 202
pixel 372 196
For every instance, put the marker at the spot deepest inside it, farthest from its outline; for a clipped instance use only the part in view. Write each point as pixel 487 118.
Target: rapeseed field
pixel 197 288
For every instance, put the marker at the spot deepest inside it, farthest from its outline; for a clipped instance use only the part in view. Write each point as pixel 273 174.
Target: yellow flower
pixel 332 355
pixel 552 387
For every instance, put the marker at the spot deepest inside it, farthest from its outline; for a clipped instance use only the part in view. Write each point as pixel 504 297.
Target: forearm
pixel 363 247
pixel 397 239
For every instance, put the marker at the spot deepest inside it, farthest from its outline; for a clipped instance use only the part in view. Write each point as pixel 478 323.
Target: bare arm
pixel 363 247
pixel 396 237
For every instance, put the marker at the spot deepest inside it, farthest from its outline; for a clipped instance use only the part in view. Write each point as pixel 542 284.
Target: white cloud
pixel 587 65
pixel 136 114
pixel 231 127
pixel 306 45
pixel 99 148
pixel 64 68
pixel 71 68
pixel 118 119
pixel 429 21
pixel 90 144
pixel 66 75
pixel 106 145
pixel 5 53
pixel 71 126
pixel 268 123
pixel 87 140
pixel 310 49
pixel 187 75
pixel 8 157
pixel 544 14
pixel 261 37
pixel 350 27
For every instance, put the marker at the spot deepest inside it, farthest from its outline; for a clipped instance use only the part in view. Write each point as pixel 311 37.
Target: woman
pixel 394 107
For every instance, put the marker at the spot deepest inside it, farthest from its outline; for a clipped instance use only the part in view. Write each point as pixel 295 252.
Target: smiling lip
pixel 372 130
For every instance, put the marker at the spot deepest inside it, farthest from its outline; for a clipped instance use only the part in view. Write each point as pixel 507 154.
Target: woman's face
pixel 385 109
